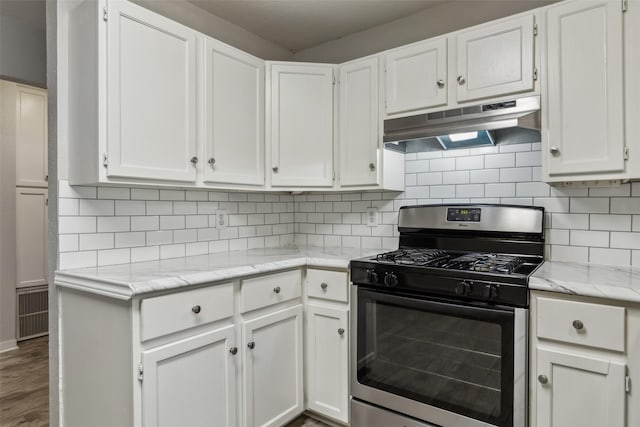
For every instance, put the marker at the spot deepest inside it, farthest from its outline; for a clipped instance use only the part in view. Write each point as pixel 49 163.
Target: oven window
pixel 451 356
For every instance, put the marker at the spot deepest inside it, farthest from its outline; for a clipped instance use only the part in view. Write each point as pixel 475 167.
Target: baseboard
pixel 8 345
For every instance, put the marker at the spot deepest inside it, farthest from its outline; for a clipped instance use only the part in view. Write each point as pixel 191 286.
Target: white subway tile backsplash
pixel 469 163
pixel 76 224
pixel 68 243
pixel 551 204
pixel 90 207
pixel 185 236
pixel 158 208
pixel 589 205
pixel 130 240
pixel 532 158
pixel 83 259
pixel 144 223
pixel 172 222
pixel 196 196
pixel 112 224
pixel 94 241
pixel 520 174
pixel 185 208
pixel 623 190
pixel 610 222
pixel 205 234
pixel 146 253
pixel 570 221
pixel 172 194
pixel 197 221
pixel 500 190
pixel 484 176
pixel 172 251
pixel 145 194
pixel 470 190
pixel 443 191
pixel 159 238
pixel 610 256
pixel 114 193
pixel 589 238
pixel 532 189
pixel 457 177
pixel 68 207
pixel 66 191
pixel 626 205
pixel 513 148
pixel 505 160
pixel 130 207
pixel 445 164
pixel 569 253
pixel 114 256
pixel 625 240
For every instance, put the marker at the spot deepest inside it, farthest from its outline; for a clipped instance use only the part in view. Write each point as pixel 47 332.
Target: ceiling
pixel 301 24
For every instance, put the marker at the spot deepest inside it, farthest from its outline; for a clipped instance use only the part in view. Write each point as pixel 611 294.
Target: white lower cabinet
pixel 191 382
pixel 327 367
pixel 579 390
pixel 31 236
pixel 583 362
pixel 273 380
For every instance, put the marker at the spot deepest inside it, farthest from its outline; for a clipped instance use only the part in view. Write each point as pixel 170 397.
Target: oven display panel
pixel 463 214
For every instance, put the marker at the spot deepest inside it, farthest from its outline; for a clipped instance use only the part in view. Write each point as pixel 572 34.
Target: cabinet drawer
pixel 593 325
pixel 175 312
pixel 331 285
pixel 272 289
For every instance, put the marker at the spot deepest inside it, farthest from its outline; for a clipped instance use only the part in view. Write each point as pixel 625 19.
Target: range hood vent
pixel 514 113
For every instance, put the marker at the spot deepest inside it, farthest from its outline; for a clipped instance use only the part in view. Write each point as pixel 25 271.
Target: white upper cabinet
pixel 495 59
pixel 301 124
pixel 234 116
pixel 583 103
pixel 151 95
pixel 358 122
pixel 31 136
pixel 416 76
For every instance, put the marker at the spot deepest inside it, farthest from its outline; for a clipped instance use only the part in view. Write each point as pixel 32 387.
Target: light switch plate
pixel 222 219
pixel 372 217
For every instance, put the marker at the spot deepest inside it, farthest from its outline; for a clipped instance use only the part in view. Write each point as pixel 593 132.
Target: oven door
pixel 448 363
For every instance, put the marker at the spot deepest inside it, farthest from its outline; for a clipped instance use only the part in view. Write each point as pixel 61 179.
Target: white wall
pixel 438 20
pixel 7 217
pixel 23 50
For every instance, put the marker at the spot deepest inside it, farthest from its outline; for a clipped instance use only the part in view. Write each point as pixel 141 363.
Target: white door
pixel 575 390
pixel 584 88
pixel 273 383
pixel 151 95
pixel 31 137
pixel 301 125
pixel 416 76
pixel 234 116
pixel 327 361
pixel 358 122
pixel 495 59
pixel 191 382
pixel 31 236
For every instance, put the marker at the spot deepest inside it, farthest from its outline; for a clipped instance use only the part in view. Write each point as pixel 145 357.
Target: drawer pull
pixel 542 379
pixel 578 325
pixel 251 345
pixel 341 331
pixel 196 309
pixel 277 289
pixel 324 286
pixel 233 350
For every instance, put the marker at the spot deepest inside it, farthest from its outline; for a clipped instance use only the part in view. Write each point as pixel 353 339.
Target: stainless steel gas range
pixel 440 325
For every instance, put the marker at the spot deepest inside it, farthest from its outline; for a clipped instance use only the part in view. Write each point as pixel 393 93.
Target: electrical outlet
pixel 222 218
pixel 372 217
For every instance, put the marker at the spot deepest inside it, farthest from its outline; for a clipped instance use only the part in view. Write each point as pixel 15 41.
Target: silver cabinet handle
pixel 194 160
pixel 324 286
pixel 542 379
pixel 212 161
pixel 372 166
pixel 274 169
pixel 196 309
pixel 277 289
pixel 251 345
pixel 555 151
pixel 461 80
pixel 578 325
pixel 440 83
pixel 233 350
pixel 341 331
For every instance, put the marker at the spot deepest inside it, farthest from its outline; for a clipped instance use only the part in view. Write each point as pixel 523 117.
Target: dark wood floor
pixel 24 385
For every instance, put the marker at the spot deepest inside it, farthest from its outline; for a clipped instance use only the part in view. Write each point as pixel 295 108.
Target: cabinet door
pixel 327 360
pixel 31 236
pixel 358 137
pixel 495 59
pixel 151 95
pixel 234 116
pixel 301 125
pixel 31 136
pixel 579 391
pixel 191 382
pixel 273 368
pixel 584 88
pixel 416 76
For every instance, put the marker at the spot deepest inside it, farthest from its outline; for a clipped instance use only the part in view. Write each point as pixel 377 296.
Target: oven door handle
pixel 498 315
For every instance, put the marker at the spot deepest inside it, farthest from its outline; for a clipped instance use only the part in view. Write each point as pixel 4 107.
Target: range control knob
pixel 490 292
pixel 390 279
pixel 372 277
pixel 463 288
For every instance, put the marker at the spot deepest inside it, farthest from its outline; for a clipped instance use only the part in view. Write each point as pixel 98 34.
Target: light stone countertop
pixel 127 280
pixel 591 280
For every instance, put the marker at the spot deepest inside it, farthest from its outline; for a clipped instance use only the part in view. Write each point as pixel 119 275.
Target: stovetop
pixel 488 262
pixel 483 277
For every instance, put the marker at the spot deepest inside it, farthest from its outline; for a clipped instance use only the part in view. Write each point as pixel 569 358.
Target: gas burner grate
pixel 484 262
pixel 412 256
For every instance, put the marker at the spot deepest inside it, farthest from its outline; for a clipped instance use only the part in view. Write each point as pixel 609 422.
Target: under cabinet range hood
pixel 466 127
